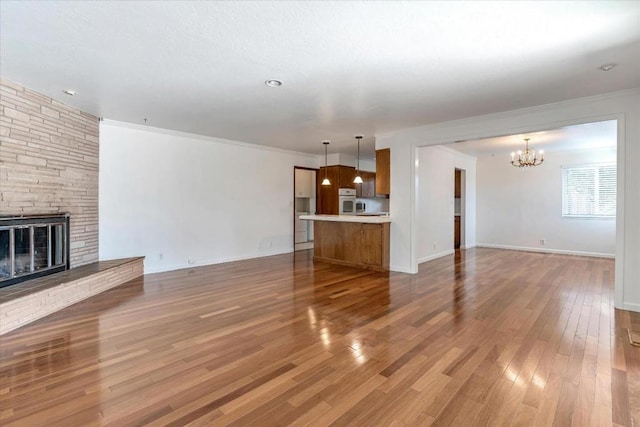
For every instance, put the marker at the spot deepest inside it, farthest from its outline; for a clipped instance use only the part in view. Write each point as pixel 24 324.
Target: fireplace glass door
pixel 32 249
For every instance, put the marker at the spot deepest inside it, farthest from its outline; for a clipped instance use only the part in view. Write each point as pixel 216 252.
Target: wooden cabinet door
pixel 369 184
pixel 457 188
pixel 383 171
pixel 327 203
pixel 347 175
pixel 371 244
pixel 456 232
pixel 337 240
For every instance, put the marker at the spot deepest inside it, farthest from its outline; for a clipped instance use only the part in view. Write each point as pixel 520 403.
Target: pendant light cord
pixel 358 168
pixel 325 160
pixel 326 145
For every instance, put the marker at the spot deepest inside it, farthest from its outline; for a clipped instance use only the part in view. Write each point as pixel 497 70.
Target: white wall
pixel 435 202
pixel 349 160
pixel 403 207
pixel 519 207
pixel 182 200
pixel 623 107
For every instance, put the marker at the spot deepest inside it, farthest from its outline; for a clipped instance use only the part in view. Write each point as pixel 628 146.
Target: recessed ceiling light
pixel 273 83
pixel 69 92
pixel 607 67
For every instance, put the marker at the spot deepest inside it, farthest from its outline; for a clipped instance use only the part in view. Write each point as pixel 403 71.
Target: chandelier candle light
pixel 527 158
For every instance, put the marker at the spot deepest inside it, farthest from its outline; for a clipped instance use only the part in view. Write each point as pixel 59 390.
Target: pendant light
pixel 358 178
pixel 325 181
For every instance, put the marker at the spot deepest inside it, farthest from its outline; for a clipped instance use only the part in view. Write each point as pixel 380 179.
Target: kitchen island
pixel 354 240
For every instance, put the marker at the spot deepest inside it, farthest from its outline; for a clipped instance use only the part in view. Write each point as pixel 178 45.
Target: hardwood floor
pixel 488 337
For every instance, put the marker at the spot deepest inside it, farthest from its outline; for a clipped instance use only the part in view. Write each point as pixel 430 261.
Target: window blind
pixel 589 191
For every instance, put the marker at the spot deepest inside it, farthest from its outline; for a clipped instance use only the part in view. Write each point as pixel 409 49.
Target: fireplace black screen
pixel 32 246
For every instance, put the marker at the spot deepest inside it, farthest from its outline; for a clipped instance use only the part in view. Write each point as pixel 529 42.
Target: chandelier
pixel 527 158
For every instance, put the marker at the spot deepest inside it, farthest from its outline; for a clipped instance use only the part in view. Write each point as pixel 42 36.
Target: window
pixel 589 191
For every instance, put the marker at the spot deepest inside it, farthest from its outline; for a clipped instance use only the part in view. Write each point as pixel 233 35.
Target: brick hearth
pixel 26 302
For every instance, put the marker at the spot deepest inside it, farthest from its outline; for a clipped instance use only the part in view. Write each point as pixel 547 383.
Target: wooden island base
pixel 355 244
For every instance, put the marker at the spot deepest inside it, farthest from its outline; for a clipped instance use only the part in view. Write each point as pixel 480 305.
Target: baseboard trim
pixel 630 306
pixel 397 269
pixel 435 256
pixel 473 245
pixel 202 263
pixel 546 251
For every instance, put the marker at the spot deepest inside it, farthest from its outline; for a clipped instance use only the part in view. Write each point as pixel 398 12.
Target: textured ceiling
pixel 348 67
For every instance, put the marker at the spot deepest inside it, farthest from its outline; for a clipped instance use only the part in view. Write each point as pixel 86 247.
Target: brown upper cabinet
pixel 368 186
pixel 457 184
pixel 383 171
pixel 347 175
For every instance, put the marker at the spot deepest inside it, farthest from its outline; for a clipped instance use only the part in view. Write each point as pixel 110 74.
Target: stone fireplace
pixel 48 167
pixel 33 246
pixel 49 160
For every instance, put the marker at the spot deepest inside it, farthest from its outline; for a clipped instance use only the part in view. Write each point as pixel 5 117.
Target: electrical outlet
pixel 435 245
pixel 191 261
pixel 160 256
pixel 542 241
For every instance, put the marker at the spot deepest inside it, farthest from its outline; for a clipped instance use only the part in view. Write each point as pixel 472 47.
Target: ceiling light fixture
pixel 607 67
pixel 69 92
pixel 325 181
pixel 273 83
pixel 358 178
pixel 527 158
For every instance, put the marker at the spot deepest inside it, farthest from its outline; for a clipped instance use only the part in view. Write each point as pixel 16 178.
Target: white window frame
pixel 597 167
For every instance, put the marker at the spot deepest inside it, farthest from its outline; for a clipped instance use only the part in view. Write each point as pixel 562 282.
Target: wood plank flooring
pixel 483 338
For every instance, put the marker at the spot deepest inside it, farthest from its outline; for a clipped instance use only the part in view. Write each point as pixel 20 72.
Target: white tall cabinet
pixel 305 183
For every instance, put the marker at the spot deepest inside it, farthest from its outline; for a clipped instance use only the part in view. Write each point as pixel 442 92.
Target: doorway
pixel 458 208
pixel 304 203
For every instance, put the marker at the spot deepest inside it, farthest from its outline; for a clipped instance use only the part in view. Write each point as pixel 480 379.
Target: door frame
pixel 463 207
pixel 293 202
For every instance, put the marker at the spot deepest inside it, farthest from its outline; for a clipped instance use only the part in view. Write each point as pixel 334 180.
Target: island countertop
pixel 364 219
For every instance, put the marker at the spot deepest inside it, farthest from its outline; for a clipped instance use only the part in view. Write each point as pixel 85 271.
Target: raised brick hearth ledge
pixel 28 301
